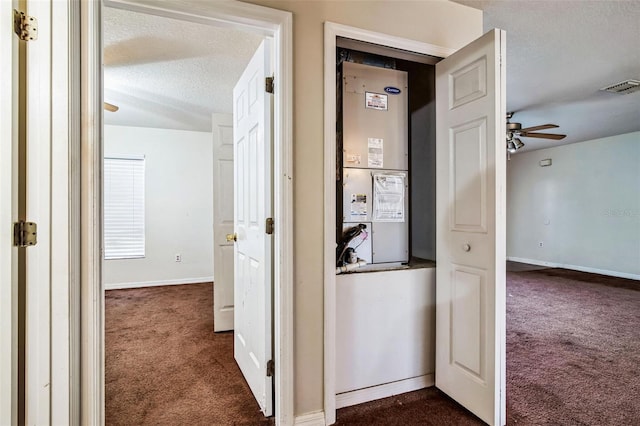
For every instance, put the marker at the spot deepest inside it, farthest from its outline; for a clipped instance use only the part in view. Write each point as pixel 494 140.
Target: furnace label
pixel 376 101
pixel 388 196
pixel 376 153
pixel 358 206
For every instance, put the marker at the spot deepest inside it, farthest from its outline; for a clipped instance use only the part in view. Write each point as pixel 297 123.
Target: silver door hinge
pixel 271 368
pixel 268 85
pixel 25 234
pixel 25 26
pixel 269 226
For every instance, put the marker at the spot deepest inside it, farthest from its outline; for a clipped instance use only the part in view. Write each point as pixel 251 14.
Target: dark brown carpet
pixel 573 349
pixel 165 366
pixel 573 358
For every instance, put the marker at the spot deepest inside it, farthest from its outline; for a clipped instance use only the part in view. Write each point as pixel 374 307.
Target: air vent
pixel 624 87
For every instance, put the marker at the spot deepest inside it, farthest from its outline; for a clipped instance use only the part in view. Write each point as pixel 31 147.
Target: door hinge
pixel 25 234
pixel 25 26
pixel 271 368
pixel 269 226
pixel 268 85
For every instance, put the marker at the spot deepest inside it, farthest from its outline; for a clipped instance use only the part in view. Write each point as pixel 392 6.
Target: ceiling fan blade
pixel 543 135
pixel 541 127
pixel 110 107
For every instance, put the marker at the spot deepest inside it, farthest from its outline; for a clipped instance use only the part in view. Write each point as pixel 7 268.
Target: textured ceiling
pixel 173 74
pixel 167 73
pixel 559 54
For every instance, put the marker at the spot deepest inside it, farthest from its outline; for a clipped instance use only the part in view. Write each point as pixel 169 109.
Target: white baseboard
pixel 359 396
pixel 310 419
pixel 139 284
pixel 575 267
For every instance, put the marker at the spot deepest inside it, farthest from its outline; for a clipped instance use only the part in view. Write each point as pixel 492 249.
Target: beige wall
pixel 437 22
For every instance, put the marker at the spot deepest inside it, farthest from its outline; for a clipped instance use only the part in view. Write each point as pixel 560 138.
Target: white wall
pixel 178 204
pixel 584 208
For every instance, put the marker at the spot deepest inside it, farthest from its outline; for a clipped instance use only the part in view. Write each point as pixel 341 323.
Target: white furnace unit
pixel 375 161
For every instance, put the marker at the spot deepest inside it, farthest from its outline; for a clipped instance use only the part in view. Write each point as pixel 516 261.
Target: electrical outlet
pixel 541 244
pixel 178 258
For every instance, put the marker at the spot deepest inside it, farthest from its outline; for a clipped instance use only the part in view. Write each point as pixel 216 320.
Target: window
pixel 124 207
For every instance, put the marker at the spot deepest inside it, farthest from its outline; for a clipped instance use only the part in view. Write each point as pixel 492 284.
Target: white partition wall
pixel 580 212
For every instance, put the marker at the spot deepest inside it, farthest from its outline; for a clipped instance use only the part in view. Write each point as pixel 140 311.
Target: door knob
pixel 466 247
pixel 232 237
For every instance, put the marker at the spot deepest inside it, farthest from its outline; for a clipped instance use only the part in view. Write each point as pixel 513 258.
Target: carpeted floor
pixel 165 366
pixel 573 349
pixel 573 358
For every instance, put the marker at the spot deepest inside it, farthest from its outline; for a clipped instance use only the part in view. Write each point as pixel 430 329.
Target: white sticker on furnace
pixel 376 101
pixel 358 205
pixel 376 152
pixel 388 196
pixel 353 159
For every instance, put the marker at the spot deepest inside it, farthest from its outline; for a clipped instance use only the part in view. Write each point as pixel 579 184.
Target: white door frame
pixel 331 31
pixel 265 21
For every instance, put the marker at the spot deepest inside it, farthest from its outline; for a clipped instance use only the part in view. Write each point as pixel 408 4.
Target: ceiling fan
pixel 515 132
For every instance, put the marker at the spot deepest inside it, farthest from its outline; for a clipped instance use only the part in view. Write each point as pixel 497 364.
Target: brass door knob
pixel 232 237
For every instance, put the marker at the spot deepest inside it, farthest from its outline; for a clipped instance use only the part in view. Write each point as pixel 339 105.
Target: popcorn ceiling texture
pixel 168 73
pixel 559 54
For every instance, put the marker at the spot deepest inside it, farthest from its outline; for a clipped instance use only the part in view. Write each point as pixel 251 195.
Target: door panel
pixel 470 191
pixel 38 259
pixel 8 215
pixel 253 247
pixel 222 221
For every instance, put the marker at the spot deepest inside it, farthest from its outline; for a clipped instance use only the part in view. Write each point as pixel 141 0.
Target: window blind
pixel 124 207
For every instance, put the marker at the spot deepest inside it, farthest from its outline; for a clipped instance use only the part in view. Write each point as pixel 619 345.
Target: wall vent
pixel 624 87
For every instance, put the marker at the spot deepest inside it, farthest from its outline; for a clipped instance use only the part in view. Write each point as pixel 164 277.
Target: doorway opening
pixel 158 219
pixel 264 22
pixel 385 196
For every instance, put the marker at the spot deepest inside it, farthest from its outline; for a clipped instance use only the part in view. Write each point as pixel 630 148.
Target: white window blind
pixel 123 207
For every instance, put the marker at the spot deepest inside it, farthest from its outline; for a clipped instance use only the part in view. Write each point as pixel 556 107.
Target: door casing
pixel 264 21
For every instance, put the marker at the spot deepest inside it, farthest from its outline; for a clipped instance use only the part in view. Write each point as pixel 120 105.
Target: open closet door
pixel 471 227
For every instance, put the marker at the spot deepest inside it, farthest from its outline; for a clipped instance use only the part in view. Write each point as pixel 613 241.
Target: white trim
pixel 90 165
pixel 359 396
pixel 575 267
pixel 265 21
pixel 64 271
pixel 141 284
pixel 311 419
pixel 331 31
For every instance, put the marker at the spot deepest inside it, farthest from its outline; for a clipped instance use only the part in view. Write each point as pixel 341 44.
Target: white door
pixel 222 222
pixel 470 240
pixel 253 247
pixel 8 215
pixel 26 285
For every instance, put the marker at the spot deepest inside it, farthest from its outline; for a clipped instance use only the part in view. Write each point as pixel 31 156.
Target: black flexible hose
pixel 347 236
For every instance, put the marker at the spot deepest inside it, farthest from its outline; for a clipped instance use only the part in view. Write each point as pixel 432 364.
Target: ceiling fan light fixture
pixel 518 143
pixel 511 146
